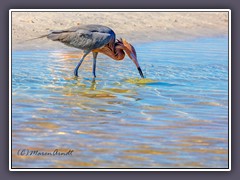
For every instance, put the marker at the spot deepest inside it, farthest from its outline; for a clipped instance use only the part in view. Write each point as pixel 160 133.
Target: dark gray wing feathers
pixel 85 37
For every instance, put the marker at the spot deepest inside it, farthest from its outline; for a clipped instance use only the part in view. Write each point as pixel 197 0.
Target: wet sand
pixel 134 26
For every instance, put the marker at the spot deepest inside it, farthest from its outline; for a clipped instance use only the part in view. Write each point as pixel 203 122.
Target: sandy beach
pixel 134 26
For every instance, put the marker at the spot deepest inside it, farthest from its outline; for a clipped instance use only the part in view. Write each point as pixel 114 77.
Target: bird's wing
pixel 81 38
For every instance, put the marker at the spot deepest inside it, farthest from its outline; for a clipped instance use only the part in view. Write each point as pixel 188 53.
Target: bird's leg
pixel 80 62
pixel 94 63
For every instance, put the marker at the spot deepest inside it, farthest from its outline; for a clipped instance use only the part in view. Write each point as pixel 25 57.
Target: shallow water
pixel 175 118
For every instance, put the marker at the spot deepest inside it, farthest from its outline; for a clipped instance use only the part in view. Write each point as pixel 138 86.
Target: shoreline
pixel 55 46
pixel 136 27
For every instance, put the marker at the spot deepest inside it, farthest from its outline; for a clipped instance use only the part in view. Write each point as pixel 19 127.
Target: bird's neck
pixel 117 53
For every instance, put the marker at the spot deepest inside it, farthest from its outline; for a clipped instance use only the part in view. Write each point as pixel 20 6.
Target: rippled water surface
pixel 175 118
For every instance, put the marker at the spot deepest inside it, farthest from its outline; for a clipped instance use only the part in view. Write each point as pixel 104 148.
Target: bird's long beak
pixel 131 52
pixel 134 59
pixel 140 72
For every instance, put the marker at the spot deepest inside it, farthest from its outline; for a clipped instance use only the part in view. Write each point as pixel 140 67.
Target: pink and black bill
pixel 140 72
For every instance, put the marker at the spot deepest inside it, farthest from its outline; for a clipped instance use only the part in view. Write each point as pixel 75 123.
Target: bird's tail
pixel 43 36
pixel 34 38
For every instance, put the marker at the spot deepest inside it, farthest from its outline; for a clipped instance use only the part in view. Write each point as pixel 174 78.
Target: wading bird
pixel 95 39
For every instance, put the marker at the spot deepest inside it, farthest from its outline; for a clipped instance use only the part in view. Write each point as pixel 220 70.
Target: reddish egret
pixel 95 39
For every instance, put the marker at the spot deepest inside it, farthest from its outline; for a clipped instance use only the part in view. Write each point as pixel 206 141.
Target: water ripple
pixel 176 117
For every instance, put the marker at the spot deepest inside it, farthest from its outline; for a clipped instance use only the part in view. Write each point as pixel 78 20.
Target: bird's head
pixel 131 52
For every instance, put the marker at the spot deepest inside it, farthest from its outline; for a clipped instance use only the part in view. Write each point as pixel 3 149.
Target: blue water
pixel 176 118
